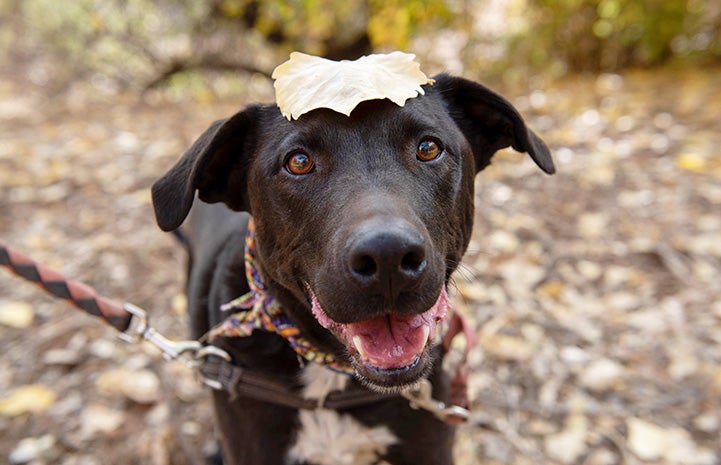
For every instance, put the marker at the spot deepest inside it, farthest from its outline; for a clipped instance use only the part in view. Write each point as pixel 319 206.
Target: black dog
pixel 359 223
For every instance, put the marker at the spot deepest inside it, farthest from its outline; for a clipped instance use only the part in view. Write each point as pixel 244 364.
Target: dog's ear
pixel 215 166
pixel 490 122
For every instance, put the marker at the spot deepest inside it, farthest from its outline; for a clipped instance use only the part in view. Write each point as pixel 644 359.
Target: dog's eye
pixel 299 163
pixel 428 150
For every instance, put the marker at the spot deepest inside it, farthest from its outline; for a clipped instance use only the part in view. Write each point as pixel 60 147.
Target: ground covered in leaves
pixel 595 292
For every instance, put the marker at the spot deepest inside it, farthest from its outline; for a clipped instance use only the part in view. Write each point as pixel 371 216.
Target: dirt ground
pixel 595 292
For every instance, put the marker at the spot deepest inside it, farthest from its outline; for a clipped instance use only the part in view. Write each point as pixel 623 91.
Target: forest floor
pixel 596 293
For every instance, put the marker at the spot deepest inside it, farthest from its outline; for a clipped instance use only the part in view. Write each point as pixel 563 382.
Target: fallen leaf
pixel 97 418
pixel 141 386
pixel 179 304
pixel 707 422
pixel 306 82
pixel 601 375
pixel 62 357
pixel 16 314
pixel 552 289
pixel 471 290
pixel 506 347
pixel 568 444
pixel 503 241
pixel 28 398
pixel 34 449
pixel 602 456
pixel 592 225
pixel 649 441
pixel 691 162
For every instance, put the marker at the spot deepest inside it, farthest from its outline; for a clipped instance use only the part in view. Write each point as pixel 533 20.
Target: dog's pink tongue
pixel 390 341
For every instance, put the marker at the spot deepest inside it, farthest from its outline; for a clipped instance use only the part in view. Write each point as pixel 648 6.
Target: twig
pixel 205 63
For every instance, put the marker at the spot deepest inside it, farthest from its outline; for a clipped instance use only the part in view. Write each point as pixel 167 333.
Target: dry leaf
pixel 29 398
pixel 649 441
pixel 36 450
pixel 646 440
pixel 601 375
pixel 306 82
pixel 141 386
pixel 567 445
pixel 552 289
pixel 98 418
pixel 16 314
pixel 691 162
pixel 504 347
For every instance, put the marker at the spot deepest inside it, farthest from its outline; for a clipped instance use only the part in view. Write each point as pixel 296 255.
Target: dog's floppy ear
pixel 490 122
pixel 214 165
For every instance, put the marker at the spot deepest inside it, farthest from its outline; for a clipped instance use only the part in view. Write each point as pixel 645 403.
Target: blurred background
pixel 139 45
pixel 595 292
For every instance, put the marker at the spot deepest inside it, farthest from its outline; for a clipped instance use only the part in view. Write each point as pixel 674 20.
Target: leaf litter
pixel 594 293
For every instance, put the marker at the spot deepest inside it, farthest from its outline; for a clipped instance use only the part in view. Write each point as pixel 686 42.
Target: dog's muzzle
pixel 390 350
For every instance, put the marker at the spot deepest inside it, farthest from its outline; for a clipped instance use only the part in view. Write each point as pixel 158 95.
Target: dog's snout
pixel 388 260
pixel 384 254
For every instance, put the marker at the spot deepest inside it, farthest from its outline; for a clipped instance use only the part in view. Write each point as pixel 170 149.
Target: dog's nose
pixel 388 260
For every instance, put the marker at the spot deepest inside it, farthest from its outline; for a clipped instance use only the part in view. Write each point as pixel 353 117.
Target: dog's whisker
pixel 467 272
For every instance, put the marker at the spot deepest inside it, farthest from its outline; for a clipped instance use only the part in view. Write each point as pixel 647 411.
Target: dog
pixel 358 224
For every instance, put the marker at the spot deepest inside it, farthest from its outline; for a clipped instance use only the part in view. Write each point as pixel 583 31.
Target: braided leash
pixel 130 320
pixel 75 293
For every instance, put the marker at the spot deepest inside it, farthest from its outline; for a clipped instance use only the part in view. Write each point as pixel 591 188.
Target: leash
pixel 238 381
pixel 77 294
pixel 215 366
pixel 130 320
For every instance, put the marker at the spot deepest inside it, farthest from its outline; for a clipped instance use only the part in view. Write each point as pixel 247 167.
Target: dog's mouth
pixel 389 351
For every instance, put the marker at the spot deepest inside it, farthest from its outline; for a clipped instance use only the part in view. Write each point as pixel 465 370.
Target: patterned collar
pixel 258 310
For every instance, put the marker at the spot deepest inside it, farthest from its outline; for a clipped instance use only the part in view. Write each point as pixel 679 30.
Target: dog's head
pixel 360 220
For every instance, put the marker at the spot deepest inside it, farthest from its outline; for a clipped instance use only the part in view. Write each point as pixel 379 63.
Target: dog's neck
pixel 270 308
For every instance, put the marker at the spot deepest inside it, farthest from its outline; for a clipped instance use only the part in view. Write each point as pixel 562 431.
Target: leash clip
pixel 421 397
pixel 190 353
pixel 187 352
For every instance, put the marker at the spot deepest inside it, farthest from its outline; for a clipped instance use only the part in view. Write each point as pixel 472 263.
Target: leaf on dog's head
pixel 306 82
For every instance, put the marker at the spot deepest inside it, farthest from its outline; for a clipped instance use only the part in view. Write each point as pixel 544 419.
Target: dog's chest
pixel 326 437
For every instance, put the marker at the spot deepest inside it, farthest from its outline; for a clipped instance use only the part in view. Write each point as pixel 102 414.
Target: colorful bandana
pixel 260 311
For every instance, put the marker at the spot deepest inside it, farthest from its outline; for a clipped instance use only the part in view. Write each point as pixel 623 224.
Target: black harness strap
pixel 223 375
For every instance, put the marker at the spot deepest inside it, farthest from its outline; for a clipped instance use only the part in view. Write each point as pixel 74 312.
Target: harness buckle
pixel 421 397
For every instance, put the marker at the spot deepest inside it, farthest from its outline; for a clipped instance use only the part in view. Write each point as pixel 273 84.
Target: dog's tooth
pixel 426 332
pixel 358 343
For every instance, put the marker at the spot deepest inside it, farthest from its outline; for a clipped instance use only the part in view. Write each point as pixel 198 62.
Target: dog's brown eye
pixel 299 163
pixel 428 150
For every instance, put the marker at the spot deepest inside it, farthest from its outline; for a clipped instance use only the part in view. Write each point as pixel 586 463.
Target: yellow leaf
pixel 691 162
pixel 16 314
pixel 552 289
pixel 179 304
pixel 29 398
pixel 306 82
pixel 568 445
pixel 508 348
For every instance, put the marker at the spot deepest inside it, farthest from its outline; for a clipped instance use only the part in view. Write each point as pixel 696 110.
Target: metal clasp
pixel 190 353
pixel 421 397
